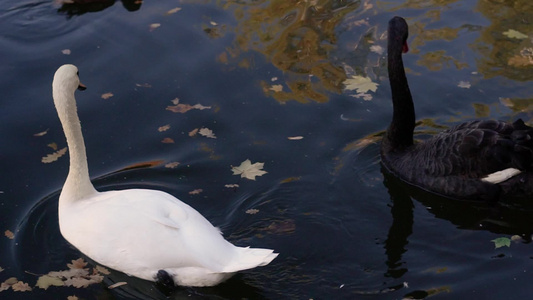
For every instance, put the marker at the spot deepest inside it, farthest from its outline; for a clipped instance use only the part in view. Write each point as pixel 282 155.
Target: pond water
pixel 269 78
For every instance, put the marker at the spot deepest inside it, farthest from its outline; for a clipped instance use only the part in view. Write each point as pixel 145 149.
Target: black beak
pixel 82 87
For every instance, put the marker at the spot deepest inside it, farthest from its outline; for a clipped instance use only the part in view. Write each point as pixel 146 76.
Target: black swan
pixel 477 160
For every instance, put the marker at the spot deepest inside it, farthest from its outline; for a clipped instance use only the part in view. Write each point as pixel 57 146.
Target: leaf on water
pixel 276 88
pixel 116 285
pixel 377 49
pixel 77 264
pixel 252 211
pixel 54 156
pixel 53 146
pixel 195 192
pixel 66 51
pixel 360 84
pixel 144 85
pixel 167 140
pixel 72 298
pixel 172 165
pixel 173 11
pixel 107 96
pixel 501 242
pixel 163 128
pixel 366 97
pixel 83 282
pixel 249 170
pixel 9 234
pixel 183 108
pixel 21 287
pixel 45 281
pixel 231 186
pixel 102 270
pixel 511 33
pixel 42 133
pixel 207 133
pixel 193 132
pixel 154 26
pixel 273 79
pixel 464 84
pixel 295 138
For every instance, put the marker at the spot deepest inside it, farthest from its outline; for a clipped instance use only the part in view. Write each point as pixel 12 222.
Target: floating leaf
pixel 163 128
pixel 377 49
pixel 366 97
pixel 154 26
pixel 193 132
pixel 511 33
pixel 252 211
pixel 501 242
pixel 66 51
pixel 72 298
pixel 195 192
pixel 21 287
pixel 183 108
pixel 173 11
pixel 9 234
pixel 42 133
pixel 276 88
pixel 249 170
pixel 53 146
pixel 167 140
pixel 207 133
pixel 107 96
pixel 45 281
pixel 144 85
pixel 464 84
pixel 360 84
pixel 172 165
pixel 54 156
pixel 77 264
pixel 295 138
pixel 231 186
pixel 116 285
pixel 102 270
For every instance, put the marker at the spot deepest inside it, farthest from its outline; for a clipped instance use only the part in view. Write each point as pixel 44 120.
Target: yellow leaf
pixel 511 33
pixel 276 88
pixel 249 170
pixel 360 84
pixel 54 156
pixel 46 281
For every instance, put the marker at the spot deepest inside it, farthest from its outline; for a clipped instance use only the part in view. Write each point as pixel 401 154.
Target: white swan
pixel 144 233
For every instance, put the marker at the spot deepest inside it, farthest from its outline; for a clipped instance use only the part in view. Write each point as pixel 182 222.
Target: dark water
pixel 342 228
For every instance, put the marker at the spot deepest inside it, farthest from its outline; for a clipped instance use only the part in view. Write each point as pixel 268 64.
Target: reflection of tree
pixel 296 36
pixel 503 55
pixel 79 7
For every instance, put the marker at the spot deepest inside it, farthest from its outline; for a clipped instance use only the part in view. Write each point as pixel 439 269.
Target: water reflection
pixel 79 7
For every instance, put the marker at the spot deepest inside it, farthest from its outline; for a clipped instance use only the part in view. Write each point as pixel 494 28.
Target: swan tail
pixel 248 258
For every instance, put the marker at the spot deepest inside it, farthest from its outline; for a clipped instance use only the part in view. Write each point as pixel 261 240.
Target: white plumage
pixel 139 231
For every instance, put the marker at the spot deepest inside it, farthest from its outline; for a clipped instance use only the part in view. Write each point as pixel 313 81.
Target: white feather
pixel 501 176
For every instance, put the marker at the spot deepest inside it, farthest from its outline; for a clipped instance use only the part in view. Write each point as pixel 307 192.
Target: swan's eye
pixel 78 73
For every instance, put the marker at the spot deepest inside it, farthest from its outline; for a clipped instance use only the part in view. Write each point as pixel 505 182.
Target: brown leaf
pixel 116 285
pixel 102 270
pixel 183 108
pixel 107 96
pixel 167 140
pixel 42 133
pixel 53 146
pixel 172 165
pixel 54 156
pixel 173 11
pixel 9 234
pixel 207 133
pixel 163 128
pixel 83 282
pixel 196 192
pixel 72 298
pixel 193 132
pixel 154 26
pixel 77 264
pixel 21 287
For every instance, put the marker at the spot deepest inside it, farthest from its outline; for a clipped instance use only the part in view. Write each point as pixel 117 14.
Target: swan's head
pixel 398 33
pixel 67 80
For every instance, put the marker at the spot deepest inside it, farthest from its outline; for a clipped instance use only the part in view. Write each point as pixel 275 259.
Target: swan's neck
pixel 400 132
pixel 78 184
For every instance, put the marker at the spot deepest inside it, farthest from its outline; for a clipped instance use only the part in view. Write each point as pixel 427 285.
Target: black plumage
pixel 453 162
